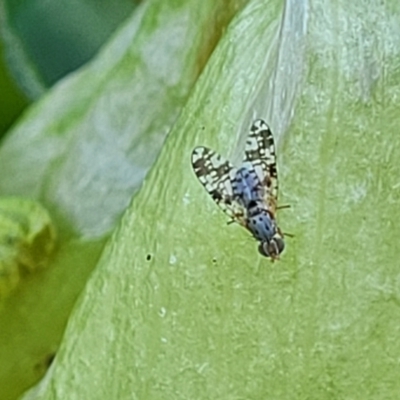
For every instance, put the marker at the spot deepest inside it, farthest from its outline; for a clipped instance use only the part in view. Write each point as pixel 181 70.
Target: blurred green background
pixel 12 99
pixel 43 41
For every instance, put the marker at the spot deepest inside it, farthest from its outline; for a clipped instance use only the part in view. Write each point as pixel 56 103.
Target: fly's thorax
pixel 261 223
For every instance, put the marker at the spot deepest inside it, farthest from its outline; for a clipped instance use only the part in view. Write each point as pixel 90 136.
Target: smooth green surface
pixel 83 151
pixel 181 305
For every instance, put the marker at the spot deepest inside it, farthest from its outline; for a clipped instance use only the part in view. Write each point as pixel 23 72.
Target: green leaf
pixel 181 305
pixel 83 151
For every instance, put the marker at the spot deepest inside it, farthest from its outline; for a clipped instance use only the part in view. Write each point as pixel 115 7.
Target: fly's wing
pixel 261 159
pixel 217 175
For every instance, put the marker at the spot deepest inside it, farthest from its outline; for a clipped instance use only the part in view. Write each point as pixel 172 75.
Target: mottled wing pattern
pixel 216 175
pixel 260 152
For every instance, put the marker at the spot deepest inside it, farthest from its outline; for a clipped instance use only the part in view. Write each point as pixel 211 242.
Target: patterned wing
pixel 217 175
pixel 260 153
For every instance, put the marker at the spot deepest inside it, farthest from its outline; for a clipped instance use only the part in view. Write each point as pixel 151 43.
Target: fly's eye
pixel 279 243
pixel 263 249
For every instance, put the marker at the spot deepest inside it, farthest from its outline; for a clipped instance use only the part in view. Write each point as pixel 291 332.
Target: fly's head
pixel 273 247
